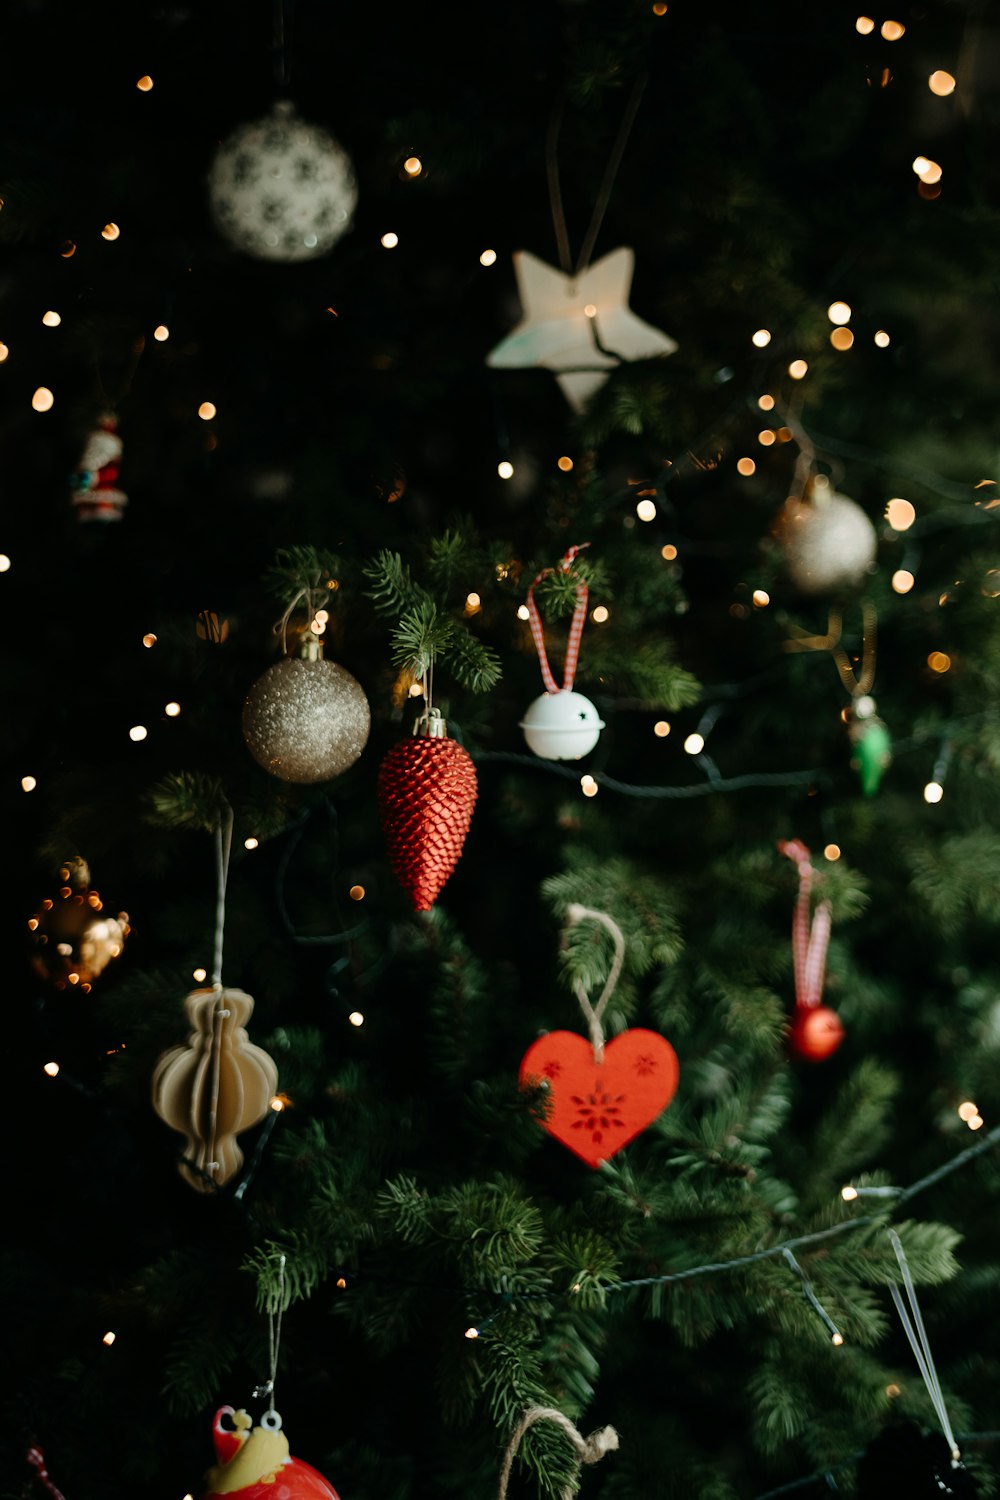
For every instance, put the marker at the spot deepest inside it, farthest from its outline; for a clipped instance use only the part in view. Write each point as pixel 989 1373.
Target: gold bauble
pixel 306 719
pixel 73 938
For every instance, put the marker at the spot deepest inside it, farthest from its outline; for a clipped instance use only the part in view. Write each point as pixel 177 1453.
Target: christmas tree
pixel 500 583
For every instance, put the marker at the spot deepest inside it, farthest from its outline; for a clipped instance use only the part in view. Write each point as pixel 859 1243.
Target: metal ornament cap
pixel 562 726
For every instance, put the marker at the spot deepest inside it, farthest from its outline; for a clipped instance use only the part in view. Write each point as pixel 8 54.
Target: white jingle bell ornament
pixel 306 719
pixel 827 539
pixel 562 726
pixel 282 190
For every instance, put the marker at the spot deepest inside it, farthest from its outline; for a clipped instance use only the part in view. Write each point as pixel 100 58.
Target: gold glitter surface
pixel 306 720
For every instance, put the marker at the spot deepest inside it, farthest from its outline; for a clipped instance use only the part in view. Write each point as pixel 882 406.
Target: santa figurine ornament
pixel 96 496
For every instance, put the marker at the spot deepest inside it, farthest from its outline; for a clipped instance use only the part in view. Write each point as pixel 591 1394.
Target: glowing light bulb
pixel 933 792
pixel 200 975
pixel 832 852
pixel 939 661
pixel 694 744
pixel 357 893
pixel 645 510
pixel 4 563
pixel 43 399
pixel 51 319
pixel 472 1333
pixel 505 469
pixel 842 338
pixel 413 166
pixel 761 338
pixel 601 614
pixel 416 690
pixel 892 30
pixel 52 1069
pixel 149 640
pixel 565 463
pixel 797 369
pixel 523 612
pixel 669 552
pixel 903 581
pixel 967 1111
pixel 4 351
pixel 590 311
pixel 588 786
pixel 110 232
pixel 171 710
pixel 28 783
pixel 144 84
pixel 661 729
pixel 975 1123
pixel 766 403
pixel 390 240
pixel 882 339
pixel 276 1103
pixel 161 333
pixel 251 843
pixel 761 598
pixel 839 312
pixel 746 467
pixel 488 258
pixel 941 83
pixel 864 24
pixel 137 732
pixel 766 437
pixel 848 1193
pixel 473 602
pixel 900 514
pixel 207 411
pixel 356 1018
pixel 837 1339
pixel 108 1339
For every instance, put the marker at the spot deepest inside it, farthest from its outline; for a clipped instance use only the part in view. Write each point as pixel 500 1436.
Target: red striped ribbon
pixel 810 941
pixel 36 1458
pixel 575 629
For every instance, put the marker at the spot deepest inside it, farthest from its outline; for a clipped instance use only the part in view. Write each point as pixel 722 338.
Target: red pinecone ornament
pixel 426 793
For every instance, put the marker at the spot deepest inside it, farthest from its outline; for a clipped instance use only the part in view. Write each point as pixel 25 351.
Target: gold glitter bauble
pixel 73 938
pixel 306 720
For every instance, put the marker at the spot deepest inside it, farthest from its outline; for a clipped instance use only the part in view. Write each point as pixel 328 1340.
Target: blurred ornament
pixel 73 939
pixel 596 1107
pixel 306 719
pixel 210 627
pixel 254 1462
pixel 426 794
pixel 581 327
pixel 827 539
pixel 562 726
pixel 816 1032
pixel 904 1461
pixel 215 1086
pixel 94 484
pixel 872 744
pixel 282 190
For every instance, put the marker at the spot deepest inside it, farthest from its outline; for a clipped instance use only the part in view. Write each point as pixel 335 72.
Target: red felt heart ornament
pixel 597 1108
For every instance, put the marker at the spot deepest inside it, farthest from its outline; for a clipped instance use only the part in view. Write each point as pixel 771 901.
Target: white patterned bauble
pixel 827 539
pixel 280 189
pixel 562 726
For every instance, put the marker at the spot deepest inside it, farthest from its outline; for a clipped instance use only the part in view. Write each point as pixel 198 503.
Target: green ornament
pixel 872 752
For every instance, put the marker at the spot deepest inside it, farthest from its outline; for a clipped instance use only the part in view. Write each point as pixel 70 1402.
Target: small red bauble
pixel 426 794
pixel 254 1463
pixel 817 1032
pixel 598 1107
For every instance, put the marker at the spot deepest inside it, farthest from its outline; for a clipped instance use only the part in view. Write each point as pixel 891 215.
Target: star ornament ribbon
pixel 580 327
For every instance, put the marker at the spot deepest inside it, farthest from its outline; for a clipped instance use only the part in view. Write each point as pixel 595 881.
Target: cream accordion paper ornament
pixel 306 719
pixel 215 1086
pixel 282 190
pixel 827 539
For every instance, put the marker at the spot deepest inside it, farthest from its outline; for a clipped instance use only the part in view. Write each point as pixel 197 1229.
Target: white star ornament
pixel 568 321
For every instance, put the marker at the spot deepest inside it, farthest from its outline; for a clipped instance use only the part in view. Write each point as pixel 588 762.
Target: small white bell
pixel 562 726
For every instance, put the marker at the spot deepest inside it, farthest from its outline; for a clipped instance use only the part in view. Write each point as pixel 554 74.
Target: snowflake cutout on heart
pixel 552 1069
pixel 644 1065
pixel 598 1112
